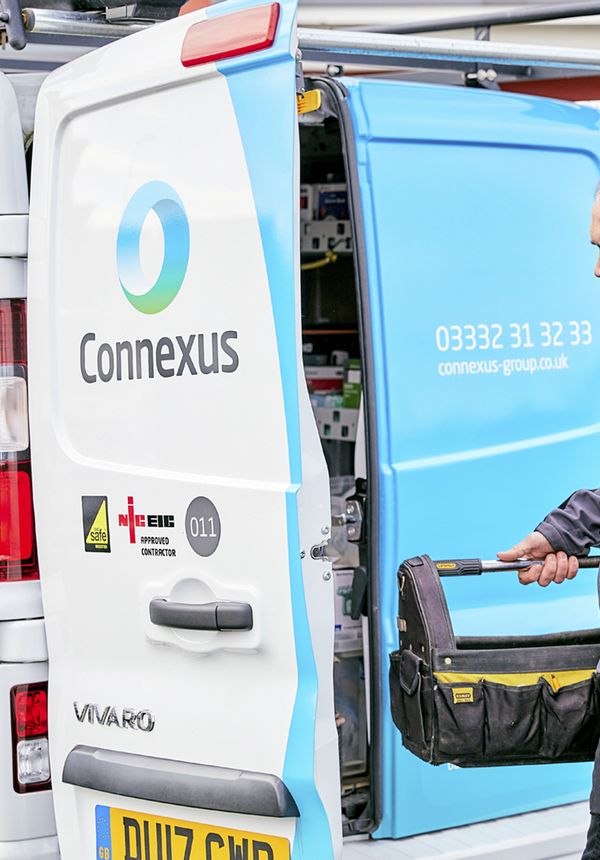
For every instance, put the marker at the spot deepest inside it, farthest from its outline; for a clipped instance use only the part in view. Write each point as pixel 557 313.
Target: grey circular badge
pixel 203 526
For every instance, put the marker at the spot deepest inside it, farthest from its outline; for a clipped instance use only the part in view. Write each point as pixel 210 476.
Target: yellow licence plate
pixel 123 835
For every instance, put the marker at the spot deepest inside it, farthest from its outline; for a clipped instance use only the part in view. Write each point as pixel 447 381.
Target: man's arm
pixel 569 530
pixel 575 525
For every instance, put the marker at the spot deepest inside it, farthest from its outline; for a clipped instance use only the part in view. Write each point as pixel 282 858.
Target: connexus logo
pixel 166 203
pixel 168 356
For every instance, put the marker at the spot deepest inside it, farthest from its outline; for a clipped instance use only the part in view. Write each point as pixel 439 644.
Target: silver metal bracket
pixel 13 28
pixel 300 88
pixel 120 13
pixel 352 519
pixel 482 77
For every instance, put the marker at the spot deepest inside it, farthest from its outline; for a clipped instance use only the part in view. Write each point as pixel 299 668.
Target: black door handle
pixel 224 615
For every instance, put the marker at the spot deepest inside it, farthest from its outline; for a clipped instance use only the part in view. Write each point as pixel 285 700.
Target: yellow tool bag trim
pixel 557 680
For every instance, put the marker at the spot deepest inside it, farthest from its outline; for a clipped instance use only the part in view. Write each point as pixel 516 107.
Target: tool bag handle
pixel 475 566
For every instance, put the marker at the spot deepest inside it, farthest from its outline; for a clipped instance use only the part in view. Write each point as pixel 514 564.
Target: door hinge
pixel 300 88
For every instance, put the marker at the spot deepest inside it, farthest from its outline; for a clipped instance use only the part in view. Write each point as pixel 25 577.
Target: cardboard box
pixel 344 624
pixel 337 423
pixel 352 384
pixel 331 201
pixel 307 204
pixel 324 379
pixel 321 236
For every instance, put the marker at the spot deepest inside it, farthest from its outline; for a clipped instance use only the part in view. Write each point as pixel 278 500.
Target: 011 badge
pixel 96 534
pixel 203 526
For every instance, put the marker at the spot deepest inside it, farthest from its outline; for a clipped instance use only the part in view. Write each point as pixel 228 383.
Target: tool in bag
pixel 478 701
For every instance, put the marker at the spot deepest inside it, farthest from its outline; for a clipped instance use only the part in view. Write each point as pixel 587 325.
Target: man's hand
pixel 557 565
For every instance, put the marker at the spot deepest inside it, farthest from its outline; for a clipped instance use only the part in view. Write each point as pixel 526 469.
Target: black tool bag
pixel 497 700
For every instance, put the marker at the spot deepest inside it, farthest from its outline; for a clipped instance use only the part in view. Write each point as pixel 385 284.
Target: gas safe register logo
pixel 193 353
pixel 96 534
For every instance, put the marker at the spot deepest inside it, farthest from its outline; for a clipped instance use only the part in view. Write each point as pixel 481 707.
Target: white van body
pixel 182 467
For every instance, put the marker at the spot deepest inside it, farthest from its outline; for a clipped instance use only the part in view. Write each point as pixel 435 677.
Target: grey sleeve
pixel 575 525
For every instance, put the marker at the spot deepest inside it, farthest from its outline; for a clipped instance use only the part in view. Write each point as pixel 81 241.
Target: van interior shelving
pixel 331 351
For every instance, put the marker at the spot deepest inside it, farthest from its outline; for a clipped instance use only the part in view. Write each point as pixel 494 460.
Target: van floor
pixel 550 834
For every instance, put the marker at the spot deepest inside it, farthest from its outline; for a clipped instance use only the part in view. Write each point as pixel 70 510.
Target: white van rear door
pixel 180 484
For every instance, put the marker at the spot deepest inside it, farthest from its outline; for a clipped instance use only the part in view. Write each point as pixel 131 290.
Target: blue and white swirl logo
pixel 166 203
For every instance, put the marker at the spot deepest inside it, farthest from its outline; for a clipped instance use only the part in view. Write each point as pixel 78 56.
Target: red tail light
pixel 18 559
pixel 29 717
pixel 230 35
pixel 16 522
pixel 13 332
pixel 31 710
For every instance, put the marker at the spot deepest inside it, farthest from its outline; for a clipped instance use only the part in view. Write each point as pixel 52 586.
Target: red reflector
pixel 16 515
pixel 13 331
pixel 30 710
pixel 230 35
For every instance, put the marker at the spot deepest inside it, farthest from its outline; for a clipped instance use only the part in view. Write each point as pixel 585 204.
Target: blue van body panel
pixel 486 360
pixel 259 101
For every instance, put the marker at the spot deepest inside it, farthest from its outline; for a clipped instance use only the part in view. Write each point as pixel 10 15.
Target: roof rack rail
pixel 51 26
pixel 485 20
pixel 48 26
pixel 378 49
pixel 327 46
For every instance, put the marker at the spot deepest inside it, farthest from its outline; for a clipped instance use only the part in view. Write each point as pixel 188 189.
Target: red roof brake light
pixel 230 35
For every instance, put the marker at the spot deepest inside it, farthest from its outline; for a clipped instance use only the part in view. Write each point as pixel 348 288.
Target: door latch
pixel 352 519
pixel 324 552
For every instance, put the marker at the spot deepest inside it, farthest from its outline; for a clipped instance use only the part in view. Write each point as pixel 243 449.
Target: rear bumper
pixel 45 848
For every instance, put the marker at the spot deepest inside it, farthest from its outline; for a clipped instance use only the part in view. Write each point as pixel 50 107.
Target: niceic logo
pixel 160 198
pixel 135 521
pixel 195 353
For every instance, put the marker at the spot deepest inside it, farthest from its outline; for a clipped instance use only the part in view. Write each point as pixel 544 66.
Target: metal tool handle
pixel 475 566
pixel 225 615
